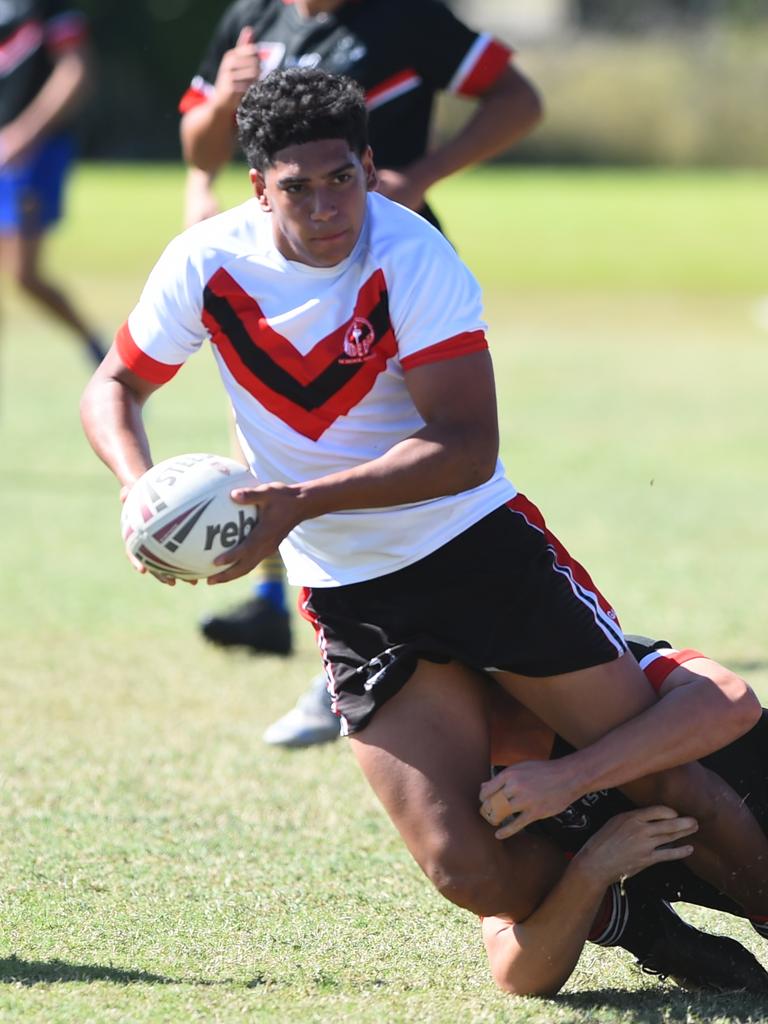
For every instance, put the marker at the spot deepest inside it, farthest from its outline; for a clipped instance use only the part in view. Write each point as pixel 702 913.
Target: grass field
pixel 159 863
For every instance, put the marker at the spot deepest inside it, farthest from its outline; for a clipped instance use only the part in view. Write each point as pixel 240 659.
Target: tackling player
pixel 402 52
pixel 608 842
pixel 350 339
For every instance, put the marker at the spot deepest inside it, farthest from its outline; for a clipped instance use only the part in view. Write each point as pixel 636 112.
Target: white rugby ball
pixel 179 516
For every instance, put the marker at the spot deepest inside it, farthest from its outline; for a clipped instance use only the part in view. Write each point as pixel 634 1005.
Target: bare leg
pixel 425 754
pixel 731 851
pixel 20 256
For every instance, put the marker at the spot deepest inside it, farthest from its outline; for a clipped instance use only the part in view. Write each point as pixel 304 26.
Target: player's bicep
pixel 459 393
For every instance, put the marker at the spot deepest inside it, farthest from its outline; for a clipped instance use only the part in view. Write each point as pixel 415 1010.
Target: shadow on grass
pixel 668 1005
pixel 15 971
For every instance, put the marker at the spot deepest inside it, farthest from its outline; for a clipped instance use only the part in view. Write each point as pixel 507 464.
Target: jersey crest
pixel 358 341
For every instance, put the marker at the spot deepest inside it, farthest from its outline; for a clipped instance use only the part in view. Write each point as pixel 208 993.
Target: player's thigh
pixel 582 706
pixel 425 754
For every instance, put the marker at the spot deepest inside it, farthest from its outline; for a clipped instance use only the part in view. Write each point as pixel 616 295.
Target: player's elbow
pixel 734 705
pixel 525 106
pixel 513 981
pixel 744 709
pixel 530 107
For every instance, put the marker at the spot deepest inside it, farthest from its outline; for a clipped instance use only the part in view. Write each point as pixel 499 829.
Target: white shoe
pixel 309 722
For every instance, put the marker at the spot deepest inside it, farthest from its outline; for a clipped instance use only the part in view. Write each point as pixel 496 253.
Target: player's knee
pixel 685 788
pixel 463 879
pixel 675 787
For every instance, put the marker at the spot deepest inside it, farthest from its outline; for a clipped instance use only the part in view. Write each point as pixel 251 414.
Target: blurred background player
pixel 609 841
pixel 403 53
pixel 44 75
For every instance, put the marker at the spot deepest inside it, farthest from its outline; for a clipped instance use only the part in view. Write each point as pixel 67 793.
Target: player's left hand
pixel 400 187
pixel 525 793
pixel 14 145
pixel 278 513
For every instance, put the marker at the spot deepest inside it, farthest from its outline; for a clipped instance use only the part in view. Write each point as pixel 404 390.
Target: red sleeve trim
pixel 657 671
pixel 139 362
pixel 451 348
pixel 191 98
pixel 486 70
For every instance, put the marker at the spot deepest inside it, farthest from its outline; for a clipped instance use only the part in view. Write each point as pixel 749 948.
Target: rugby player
pixel 44 73
pixel 621 876
pixel 402 52
pixel 350 339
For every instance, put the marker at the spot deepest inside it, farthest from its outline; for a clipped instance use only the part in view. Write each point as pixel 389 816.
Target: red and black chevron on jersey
pixel 308 392
pixel 402 52
pixel 31 33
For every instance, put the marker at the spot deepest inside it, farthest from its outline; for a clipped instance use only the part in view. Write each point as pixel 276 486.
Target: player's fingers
pixel 169 581
pixel 490 787
pixel 246 495
pixel 673 827
pixel 241 563
pixel 514 824
pixel 245 36
pixel 658 812
pixel 666 853
pixel 496 808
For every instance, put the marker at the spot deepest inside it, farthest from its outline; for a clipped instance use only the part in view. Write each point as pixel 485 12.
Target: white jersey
pixel 314 362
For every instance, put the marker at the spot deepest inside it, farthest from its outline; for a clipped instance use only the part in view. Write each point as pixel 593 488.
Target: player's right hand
pixel 635 840
pixel 240 67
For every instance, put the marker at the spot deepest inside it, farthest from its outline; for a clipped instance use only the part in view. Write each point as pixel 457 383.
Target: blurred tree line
pixel 653 15
pixel 148 50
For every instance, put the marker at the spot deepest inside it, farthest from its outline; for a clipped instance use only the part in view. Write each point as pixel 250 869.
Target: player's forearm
pixel 502 118
pixel 436 461
pixel 111 418
pixel 538 955
pixel 208 136
pixel 686 724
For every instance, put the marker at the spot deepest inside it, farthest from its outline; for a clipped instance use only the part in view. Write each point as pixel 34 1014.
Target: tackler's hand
pixel 635 840
pixel 525 793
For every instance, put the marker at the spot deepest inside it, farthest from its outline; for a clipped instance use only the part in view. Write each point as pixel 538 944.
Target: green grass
pixel 159 863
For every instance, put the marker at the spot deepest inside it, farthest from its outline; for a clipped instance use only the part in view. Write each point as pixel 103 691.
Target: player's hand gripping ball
pixel 179 516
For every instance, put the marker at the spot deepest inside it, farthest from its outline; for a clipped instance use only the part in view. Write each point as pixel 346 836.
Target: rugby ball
pixel 179 516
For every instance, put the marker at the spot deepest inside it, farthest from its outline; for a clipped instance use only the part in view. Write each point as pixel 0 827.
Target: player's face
pixel 316 194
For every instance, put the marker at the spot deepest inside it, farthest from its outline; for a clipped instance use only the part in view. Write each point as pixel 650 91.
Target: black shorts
pixel 504 595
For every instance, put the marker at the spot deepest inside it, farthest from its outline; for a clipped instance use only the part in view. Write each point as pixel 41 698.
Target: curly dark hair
pixel 297 105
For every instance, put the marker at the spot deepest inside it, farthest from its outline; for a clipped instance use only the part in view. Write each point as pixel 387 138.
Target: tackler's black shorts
pixel 504 594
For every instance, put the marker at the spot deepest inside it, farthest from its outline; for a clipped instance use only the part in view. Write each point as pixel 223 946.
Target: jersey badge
pixel 358 341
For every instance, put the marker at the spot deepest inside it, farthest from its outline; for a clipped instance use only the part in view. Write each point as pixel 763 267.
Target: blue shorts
pixel 31 191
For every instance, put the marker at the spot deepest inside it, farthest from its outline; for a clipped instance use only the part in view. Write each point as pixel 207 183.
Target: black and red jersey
pixel 402 52
pixel 32 33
